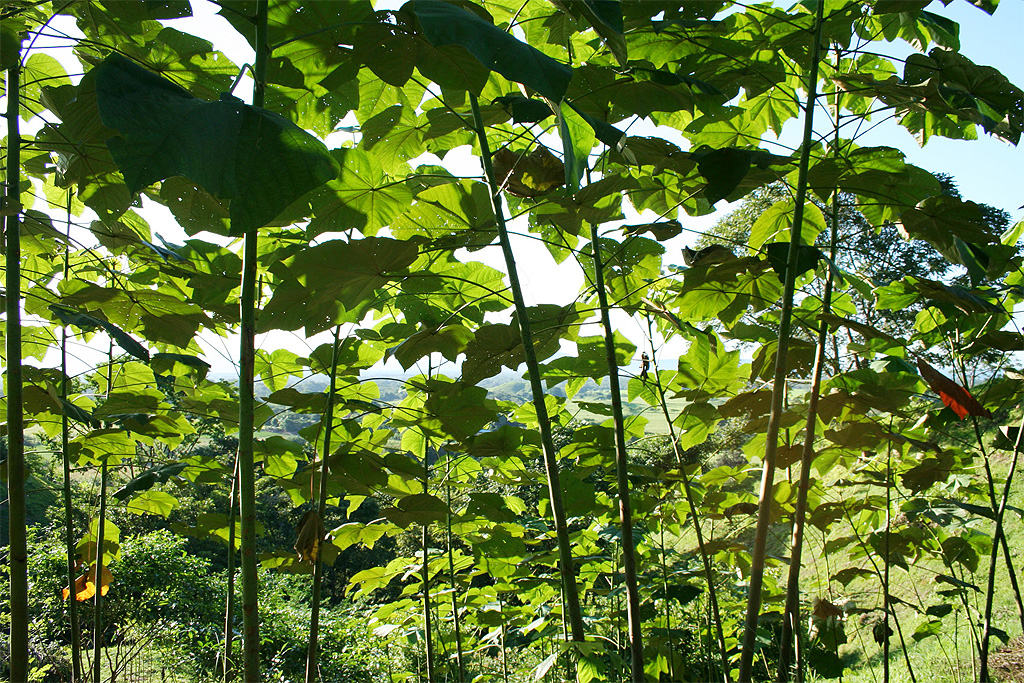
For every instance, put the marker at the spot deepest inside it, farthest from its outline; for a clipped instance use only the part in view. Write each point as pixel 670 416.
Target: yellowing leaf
pixel 85 585
pixel 311 534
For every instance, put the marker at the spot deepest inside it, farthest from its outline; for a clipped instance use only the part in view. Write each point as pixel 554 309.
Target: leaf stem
pixel 790 638
pixel 691 501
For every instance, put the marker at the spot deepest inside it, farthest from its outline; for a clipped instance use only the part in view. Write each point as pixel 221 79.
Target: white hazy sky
pixel 986 170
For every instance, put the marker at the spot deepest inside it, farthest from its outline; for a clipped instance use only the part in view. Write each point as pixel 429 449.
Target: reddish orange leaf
pixel 952 394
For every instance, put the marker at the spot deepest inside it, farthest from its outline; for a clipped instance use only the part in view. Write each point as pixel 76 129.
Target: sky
pixel 986 170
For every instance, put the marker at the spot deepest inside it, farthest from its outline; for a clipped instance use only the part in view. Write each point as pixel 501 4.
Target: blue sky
pixel 986 169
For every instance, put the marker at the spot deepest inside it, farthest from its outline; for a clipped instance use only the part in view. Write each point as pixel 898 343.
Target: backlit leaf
pixel 85 585
pixel 256 159
pixel 447 24
pixel 956 397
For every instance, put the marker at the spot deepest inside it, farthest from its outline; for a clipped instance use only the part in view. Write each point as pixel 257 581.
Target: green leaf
pixel 153 503
pixel 806 258
pixel 500 552
pixel 524 109
pixel 419 508
pixel 395 135
pixel 446 24
pixel 542 669
pixel 335 273
pixel 957 549
pixel 577 142
pixel 276 367
pixel 927 630
pixel 150 478
pixel 256 159
pixel 709 369
pixel 10 44
pixel 1013 234
pixel 362 197
pixel 89 323
pixel 825 663
pixel 449 341
pixel 727 167
pixel 939 610
pixel 1008 438
pixel 40 70
pixel 775 225
pixel 605 16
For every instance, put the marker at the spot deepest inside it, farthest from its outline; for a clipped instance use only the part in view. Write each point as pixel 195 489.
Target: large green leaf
pixel 89 323
pixel 775 224
pixel 362 196
pixel 10 44
pixel 322 281
pixel 726 168
pixel 256 159
pixel 710 368
pixel 446 24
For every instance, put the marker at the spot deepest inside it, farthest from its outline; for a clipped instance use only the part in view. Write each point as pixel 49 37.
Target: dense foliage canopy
pixel 360 192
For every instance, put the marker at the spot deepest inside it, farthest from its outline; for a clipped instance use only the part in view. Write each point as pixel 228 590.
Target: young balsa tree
pixel 542 546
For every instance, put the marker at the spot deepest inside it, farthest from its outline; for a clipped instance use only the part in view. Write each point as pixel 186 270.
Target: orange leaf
pixel 85 585
pixel 957 398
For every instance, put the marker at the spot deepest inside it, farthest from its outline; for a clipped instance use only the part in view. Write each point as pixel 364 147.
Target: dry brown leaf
pixel 823 609
pixel 529 175
pixel 311 534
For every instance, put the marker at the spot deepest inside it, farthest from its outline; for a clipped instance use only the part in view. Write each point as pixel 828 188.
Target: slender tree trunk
pixel 425 574
pixel 321 509
pixel 18 536
pixel 999 540
pixel 668 604
pixel 709 575
pixel 885 578
pixel 781 369
pixel 69 520
pixel 504 650
pixel 247 401
pixel 97 623
pixel 567 566
pixel 636 645
pixel 459 656
pixel 229 601
pixel 101 532
pixel 791 616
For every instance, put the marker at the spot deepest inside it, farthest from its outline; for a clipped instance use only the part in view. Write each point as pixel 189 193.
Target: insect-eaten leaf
pixel 256 159
pixel 85 585
pixel 956 397
pixel 311 534
pixel 528 175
